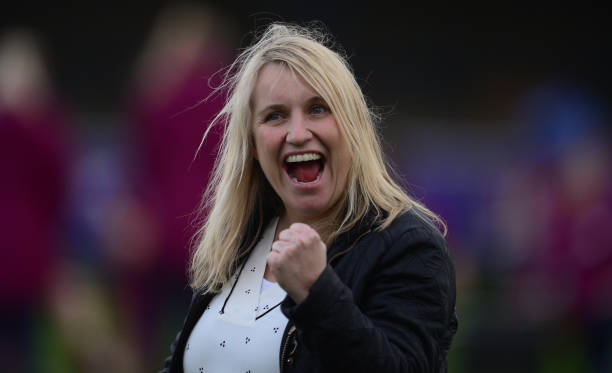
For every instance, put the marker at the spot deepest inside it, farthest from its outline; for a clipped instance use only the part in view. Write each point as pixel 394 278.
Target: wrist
pixel 298 295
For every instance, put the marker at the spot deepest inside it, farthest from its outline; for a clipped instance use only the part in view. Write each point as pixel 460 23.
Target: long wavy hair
pixel 239 199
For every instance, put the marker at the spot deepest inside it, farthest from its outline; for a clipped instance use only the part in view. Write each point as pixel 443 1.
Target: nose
pixel 298 132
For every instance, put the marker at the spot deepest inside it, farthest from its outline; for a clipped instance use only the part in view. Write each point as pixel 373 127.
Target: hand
pixel 297 259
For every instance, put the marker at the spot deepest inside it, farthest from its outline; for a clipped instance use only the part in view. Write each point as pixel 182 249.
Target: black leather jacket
pixel 384 303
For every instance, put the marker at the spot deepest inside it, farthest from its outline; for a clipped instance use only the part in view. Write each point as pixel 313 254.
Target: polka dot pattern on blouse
pixel 242 327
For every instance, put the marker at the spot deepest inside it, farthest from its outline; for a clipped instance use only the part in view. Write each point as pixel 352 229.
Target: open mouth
pixel 305 168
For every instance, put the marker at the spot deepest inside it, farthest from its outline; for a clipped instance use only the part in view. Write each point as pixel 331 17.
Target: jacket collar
pixel 368 222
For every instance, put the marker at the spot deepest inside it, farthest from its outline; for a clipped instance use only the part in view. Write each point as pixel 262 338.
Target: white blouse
pixel 242 327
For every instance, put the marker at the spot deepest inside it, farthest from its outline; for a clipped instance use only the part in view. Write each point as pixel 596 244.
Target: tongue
pixel 305 172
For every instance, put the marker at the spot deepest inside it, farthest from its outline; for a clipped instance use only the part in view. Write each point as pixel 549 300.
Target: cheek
pixel 266 143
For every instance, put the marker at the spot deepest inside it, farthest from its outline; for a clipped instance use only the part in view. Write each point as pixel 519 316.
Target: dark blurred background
pixel 497 117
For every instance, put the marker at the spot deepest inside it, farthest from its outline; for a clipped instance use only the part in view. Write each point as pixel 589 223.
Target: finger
pixel 296 239
pixel 301 227
pixel 272 260
pixel 281 246
pixel 301 236
pixel 276 246
pixel 287 235
pixel 276 254
pixel 304 230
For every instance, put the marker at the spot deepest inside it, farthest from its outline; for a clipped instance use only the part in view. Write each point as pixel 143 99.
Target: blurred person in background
pixel 33 191
pixel 555 227
pixel 167 108
pixel 56 313
pixel 301 170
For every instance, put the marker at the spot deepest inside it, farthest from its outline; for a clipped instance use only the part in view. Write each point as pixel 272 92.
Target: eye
pixel 318 109
pixel 275 115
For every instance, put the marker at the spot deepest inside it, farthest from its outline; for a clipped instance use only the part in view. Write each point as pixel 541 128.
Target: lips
pixel 305 168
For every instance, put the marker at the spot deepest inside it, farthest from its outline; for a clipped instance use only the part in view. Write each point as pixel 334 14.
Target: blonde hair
pixel 239 198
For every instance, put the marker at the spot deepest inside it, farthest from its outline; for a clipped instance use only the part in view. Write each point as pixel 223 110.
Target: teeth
pixel 303 157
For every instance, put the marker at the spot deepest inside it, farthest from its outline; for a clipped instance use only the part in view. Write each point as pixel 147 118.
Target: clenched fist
pixel 297 259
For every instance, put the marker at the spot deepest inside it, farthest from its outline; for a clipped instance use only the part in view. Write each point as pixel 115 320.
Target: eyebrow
pixel 273 107
pixel 314 99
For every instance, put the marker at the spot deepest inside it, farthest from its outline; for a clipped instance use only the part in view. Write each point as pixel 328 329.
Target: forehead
pixel 277 82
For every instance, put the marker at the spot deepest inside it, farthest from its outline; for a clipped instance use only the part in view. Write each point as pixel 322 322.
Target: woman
pixel 312 259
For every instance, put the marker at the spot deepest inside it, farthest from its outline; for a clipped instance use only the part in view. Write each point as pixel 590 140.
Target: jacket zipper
pixel 284 353
pixel 292 328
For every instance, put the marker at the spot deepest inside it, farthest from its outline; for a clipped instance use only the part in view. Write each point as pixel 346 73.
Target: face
pixel 298 144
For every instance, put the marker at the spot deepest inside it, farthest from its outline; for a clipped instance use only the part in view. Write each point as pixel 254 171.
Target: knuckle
pixel 301 240
pixel 293 251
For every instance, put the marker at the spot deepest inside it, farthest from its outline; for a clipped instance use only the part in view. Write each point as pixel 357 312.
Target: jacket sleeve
pixel 401 324
pixel 192 314
pixel 168 360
